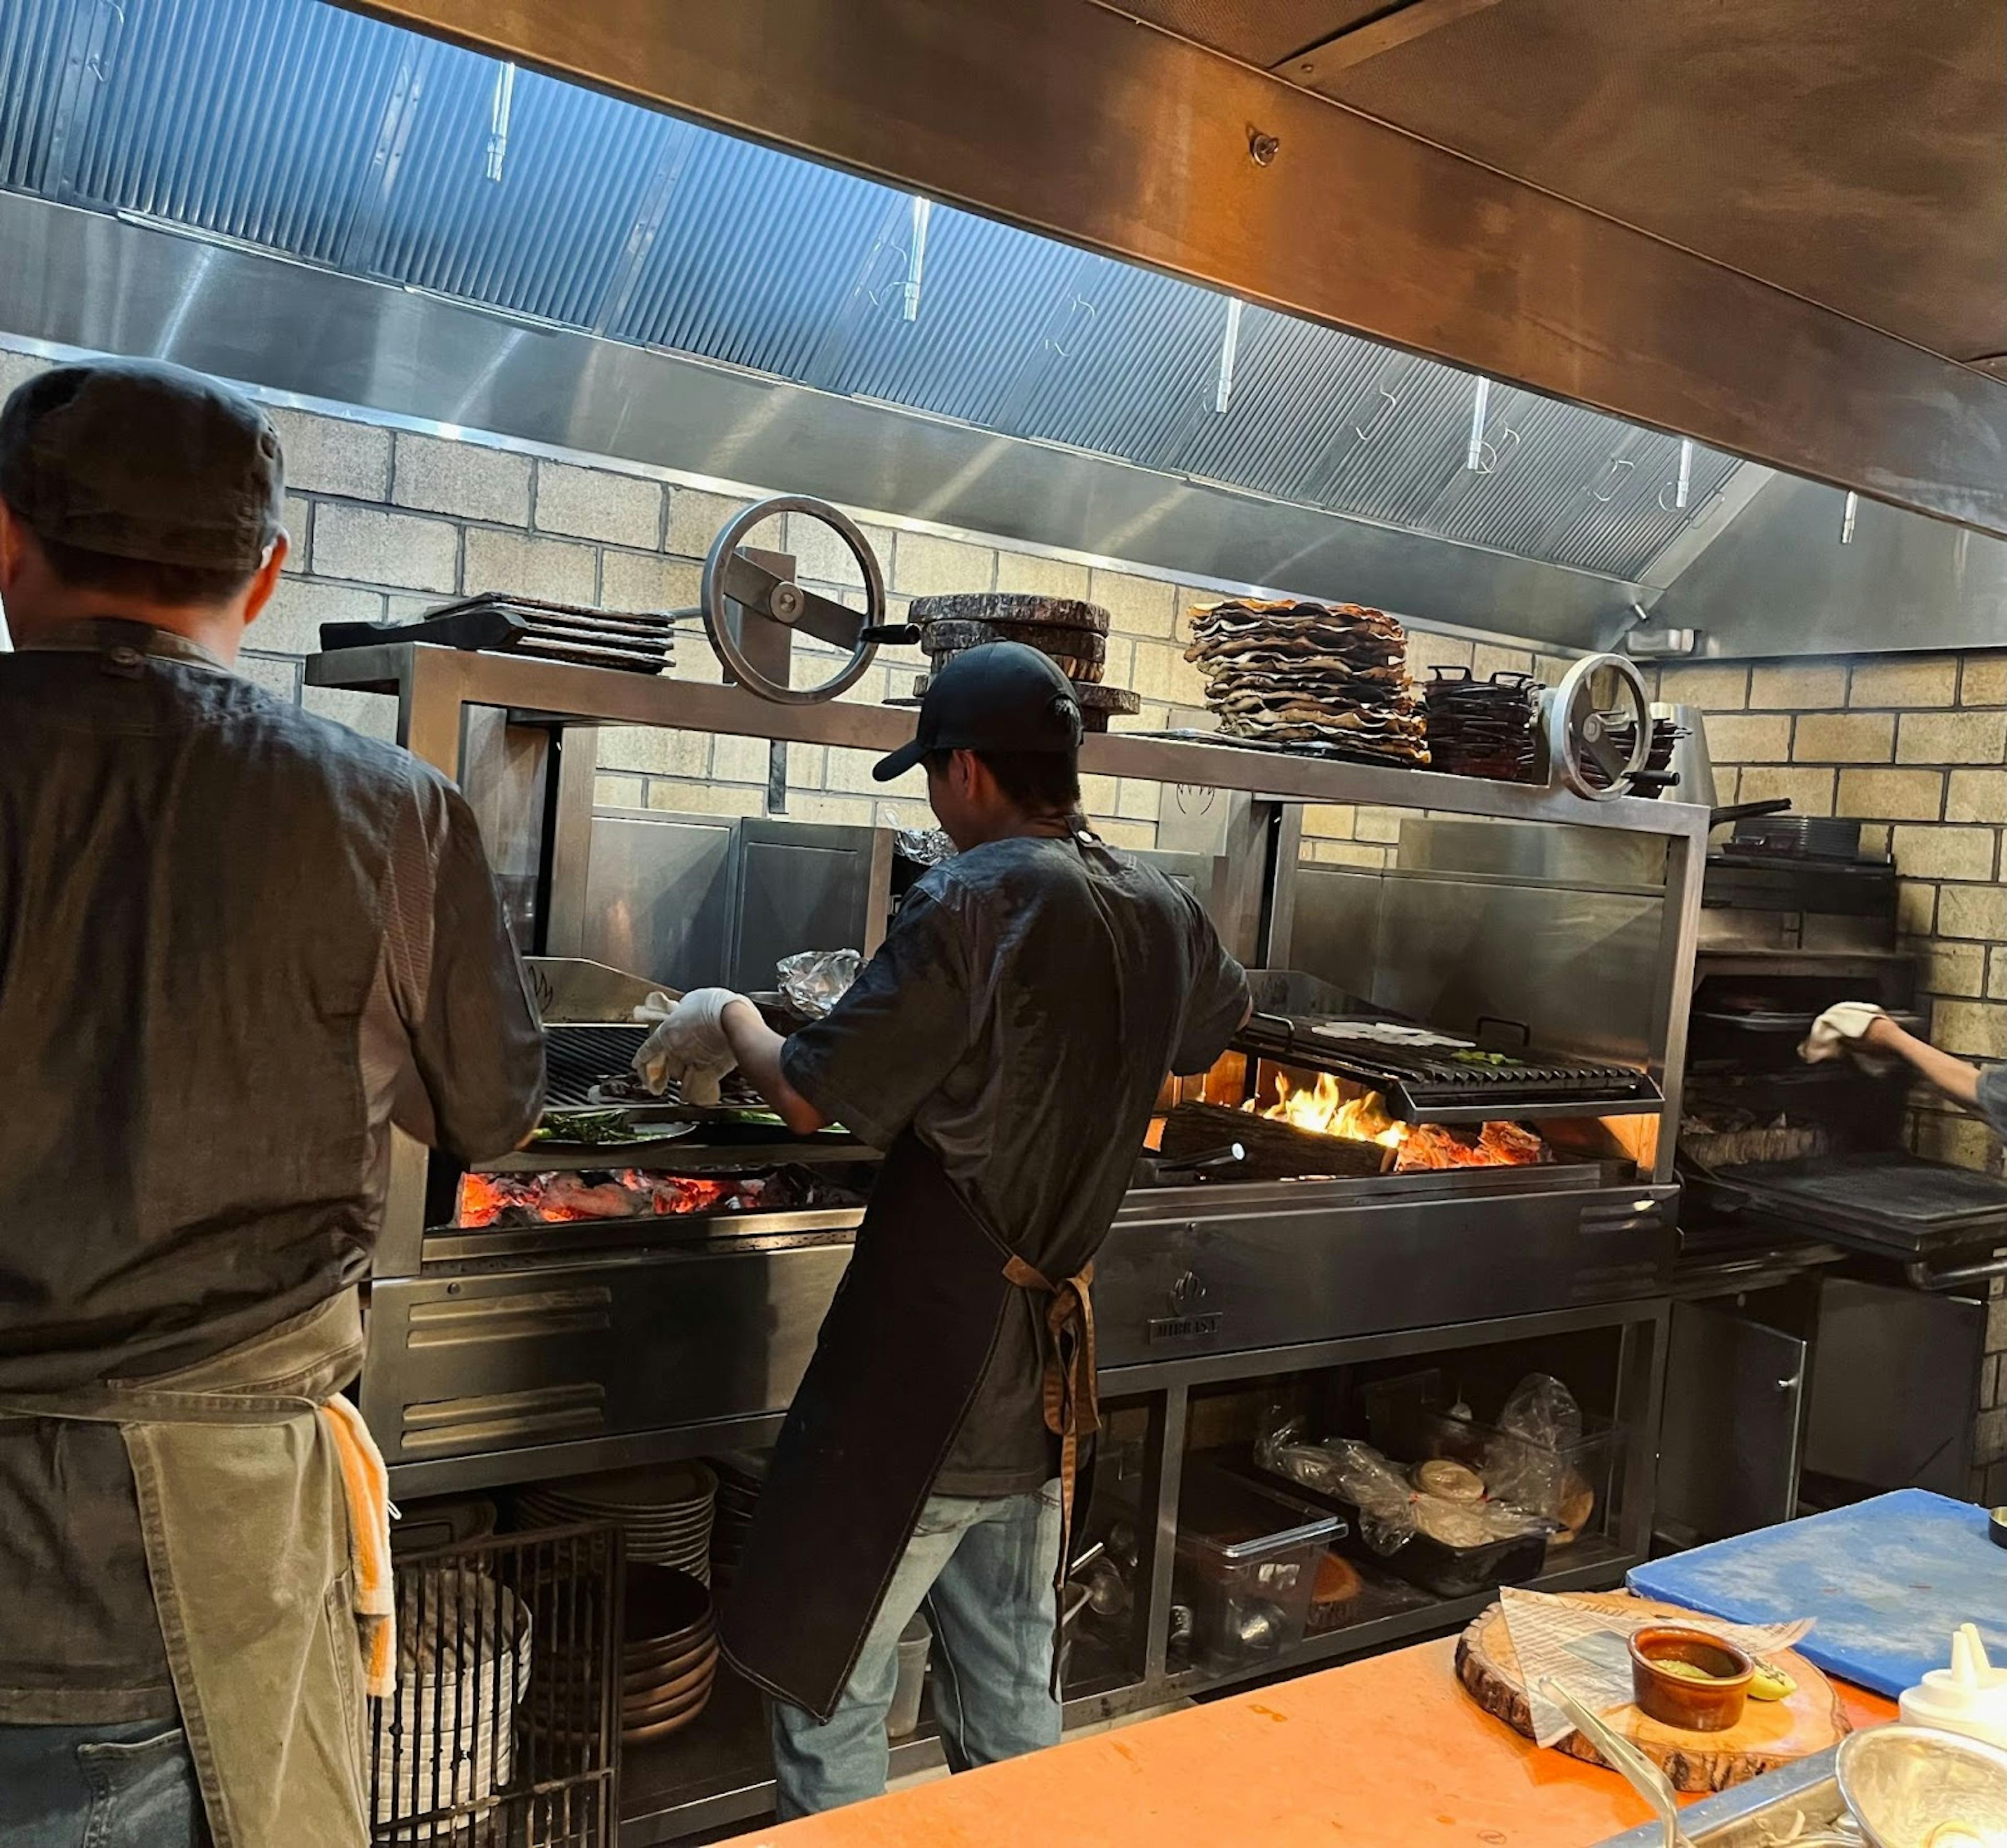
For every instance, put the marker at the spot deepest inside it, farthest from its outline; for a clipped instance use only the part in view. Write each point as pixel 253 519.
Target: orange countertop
pixel 1386 1753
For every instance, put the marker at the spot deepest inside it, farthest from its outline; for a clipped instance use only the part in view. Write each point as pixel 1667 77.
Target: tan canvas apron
pixel 246 1528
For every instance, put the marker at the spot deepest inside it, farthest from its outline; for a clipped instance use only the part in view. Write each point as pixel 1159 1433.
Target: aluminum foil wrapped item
pixel 812 981
pixel 925 846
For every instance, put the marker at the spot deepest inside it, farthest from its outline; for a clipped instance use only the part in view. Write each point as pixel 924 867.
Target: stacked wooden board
pixel 1073 634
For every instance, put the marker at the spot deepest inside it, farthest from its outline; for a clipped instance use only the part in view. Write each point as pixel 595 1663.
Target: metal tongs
pixel 1620 1755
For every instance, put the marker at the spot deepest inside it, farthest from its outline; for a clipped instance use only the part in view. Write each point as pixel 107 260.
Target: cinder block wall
pixel 1915 748
pixel 387 523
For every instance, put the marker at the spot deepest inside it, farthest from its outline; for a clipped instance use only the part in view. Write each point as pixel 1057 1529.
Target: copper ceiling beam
pixel 1319 64
pixel 1072 119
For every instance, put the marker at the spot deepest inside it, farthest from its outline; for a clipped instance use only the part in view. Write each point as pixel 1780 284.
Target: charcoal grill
pixel 578 1058
pixel 1435 1085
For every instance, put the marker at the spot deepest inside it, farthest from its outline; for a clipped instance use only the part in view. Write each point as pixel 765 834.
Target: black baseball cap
pixel 143 460
pixel 1002 696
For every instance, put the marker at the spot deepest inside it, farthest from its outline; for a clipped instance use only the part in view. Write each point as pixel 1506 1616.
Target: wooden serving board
pixel 1769 1734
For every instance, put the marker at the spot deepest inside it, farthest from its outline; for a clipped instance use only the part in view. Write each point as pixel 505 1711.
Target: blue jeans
pixel 124 1786
pixel 983 1571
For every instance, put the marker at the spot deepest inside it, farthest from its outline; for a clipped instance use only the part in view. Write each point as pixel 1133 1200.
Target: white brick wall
pixel 442 476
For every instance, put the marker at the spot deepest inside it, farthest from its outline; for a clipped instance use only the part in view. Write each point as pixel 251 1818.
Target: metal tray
pixel 1886 1202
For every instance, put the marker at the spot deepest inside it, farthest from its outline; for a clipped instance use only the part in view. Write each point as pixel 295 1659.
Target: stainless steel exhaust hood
pixel 379 221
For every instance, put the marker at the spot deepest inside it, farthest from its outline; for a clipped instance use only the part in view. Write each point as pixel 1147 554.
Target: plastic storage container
pixel 1246 1563
pixel 1447 1571
pixel 1570 1483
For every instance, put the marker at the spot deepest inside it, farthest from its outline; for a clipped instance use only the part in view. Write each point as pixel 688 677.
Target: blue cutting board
pixel 1887 1581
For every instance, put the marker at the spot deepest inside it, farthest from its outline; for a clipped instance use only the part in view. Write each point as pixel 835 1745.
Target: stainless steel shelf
pixel 426 676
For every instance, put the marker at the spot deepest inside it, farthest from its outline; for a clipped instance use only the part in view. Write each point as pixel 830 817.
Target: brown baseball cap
pixel 143 460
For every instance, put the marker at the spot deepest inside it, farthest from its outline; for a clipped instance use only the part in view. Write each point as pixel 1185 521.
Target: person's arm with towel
pixel 1861 1030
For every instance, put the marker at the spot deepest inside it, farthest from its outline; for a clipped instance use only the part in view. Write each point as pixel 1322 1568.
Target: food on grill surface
pixel 1484 728
pixel 735 1092
pixel 562 1195
pixel 1448 1480
pixel 588 1129
pixel 1305 672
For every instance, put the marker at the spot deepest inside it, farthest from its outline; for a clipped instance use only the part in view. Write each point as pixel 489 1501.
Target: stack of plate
pixel 741 1476
pixel 668 1658
pixel 664 1512
pixel 446 1739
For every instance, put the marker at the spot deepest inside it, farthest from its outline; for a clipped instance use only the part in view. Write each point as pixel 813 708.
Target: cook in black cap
pixel 1005 1046
pixel 241 943
pixel 1002 699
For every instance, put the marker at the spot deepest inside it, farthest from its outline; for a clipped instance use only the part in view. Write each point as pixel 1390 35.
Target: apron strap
pixel 129 1405
pixel 1072 1403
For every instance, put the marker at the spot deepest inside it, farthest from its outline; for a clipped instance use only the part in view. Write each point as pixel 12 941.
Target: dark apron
pixel 898 1360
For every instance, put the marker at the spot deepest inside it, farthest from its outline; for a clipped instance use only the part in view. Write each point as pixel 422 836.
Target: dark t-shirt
pixel 237 941
pixel 1020 1017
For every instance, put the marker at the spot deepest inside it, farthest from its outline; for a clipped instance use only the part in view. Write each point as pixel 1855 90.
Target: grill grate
pixel 1432 1084
pixel 504 1729
pixel 575 1058
pixel 578 1058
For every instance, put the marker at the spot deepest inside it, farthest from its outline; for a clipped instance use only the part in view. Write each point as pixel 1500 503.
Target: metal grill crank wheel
pixel 1575 717
pixel 730 577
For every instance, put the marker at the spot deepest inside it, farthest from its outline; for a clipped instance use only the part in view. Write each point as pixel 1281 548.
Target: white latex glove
pixel 1838 1032
pixel 688 1044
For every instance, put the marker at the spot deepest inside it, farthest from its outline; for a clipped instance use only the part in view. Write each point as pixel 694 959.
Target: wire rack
pixel 504 1730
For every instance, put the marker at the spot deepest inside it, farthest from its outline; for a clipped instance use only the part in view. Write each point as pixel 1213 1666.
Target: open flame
pixel 1325 1110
